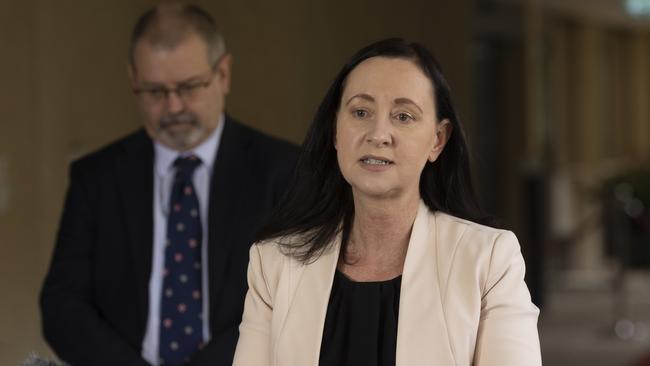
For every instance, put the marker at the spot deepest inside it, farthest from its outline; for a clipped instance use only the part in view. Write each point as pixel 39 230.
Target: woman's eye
pixel 360 113
pixel 404 117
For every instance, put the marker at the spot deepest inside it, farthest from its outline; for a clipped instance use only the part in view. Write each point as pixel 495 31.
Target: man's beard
pixel 180 139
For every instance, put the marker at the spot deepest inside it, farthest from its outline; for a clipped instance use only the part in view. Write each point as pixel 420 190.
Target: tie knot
pixel 186 165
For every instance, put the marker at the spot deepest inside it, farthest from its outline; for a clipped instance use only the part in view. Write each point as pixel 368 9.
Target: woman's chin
pixel 377 192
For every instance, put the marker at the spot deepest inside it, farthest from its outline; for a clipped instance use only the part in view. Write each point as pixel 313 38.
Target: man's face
pixel 180 95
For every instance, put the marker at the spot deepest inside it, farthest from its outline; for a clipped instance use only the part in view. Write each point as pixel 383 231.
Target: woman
pixel 372 259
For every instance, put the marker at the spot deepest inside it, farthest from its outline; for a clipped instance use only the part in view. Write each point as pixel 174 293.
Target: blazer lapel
pixel 302 329
pixel 422 334
pixel 135 181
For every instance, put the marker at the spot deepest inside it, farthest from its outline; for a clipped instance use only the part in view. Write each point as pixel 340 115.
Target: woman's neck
pixel 379 238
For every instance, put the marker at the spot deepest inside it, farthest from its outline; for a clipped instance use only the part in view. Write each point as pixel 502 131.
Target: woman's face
pixel 386 128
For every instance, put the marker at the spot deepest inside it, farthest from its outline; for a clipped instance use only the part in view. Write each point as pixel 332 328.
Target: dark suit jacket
pixel 94 301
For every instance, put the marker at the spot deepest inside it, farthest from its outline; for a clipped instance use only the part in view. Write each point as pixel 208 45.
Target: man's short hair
pixel 169 24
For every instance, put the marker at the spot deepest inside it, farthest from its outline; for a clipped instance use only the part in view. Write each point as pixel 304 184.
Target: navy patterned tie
pixel 181 307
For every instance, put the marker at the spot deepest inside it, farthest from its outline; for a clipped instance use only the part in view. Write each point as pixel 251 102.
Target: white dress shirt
pixel 164 158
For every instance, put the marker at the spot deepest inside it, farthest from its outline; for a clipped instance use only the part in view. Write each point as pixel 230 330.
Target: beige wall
pixel 64 93
pixel 20 268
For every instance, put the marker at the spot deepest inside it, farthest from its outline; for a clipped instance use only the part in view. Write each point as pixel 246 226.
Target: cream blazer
pixel 463 301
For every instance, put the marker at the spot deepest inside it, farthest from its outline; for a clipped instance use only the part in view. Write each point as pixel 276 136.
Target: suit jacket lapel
pixel 422 334
pixel 135 181
pixel 302 328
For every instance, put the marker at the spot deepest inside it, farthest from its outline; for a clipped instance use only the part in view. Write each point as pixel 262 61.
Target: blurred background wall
pixel 554 95
pixel 561 98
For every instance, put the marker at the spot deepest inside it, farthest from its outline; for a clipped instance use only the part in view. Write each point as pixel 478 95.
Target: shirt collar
pixel 206 151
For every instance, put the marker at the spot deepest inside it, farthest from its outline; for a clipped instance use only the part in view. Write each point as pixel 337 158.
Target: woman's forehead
pixel 393 78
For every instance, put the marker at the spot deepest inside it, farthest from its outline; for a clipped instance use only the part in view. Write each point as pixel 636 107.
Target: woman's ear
pixel 443 132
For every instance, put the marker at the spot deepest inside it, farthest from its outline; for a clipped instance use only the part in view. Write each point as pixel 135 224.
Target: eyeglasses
pixel 185 91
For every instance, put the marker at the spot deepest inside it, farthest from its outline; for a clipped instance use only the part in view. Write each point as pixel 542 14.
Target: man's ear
pixel 223 69
pixel 443 133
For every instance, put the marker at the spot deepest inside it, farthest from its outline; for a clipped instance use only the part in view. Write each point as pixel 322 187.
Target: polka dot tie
pixel 181 308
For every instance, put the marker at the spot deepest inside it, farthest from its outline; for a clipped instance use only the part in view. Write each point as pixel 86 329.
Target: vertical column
pixel 588 89
pixel 587 250
pixel 618 115
pixel 535 164
pixel 640 100
pixel 562 216
pixel 558 96
pixel 534 71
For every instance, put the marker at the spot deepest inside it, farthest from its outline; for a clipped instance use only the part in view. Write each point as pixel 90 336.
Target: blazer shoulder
pixel 469 228
pixel 264 145
pixel 268 250
pixel 472 242
pixel 99 159
pixel 474 254
pixel 269 261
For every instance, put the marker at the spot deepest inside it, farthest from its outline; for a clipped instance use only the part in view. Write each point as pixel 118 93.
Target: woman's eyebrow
pixel 407 101
pixel 362 96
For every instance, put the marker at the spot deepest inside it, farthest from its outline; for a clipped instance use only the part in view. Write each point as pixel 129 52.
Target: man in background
pixel 151 255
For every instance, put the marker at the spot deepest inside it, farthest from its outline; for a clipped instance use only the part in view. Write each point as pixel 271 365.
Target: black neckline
pixel 351 281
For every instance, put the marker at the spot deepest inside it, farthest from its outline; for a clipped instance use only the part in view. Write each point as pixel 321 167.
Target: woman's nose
pixel 380 133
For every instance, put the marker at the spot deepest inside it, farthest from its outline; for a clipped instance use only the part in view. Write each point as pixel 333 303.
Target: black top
pixel 361 323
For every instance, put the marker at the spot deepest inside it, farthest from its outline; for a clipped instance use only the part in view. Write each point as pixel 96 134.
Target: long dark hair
pixel 319 204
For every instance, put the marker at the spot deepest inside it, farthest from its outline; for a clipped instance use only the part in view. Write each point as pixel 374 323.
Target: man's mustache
pixel 179 118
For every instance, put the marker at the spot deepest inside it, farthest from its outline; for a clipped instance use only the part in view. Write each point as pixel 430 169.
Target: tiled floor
pixel 577 323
